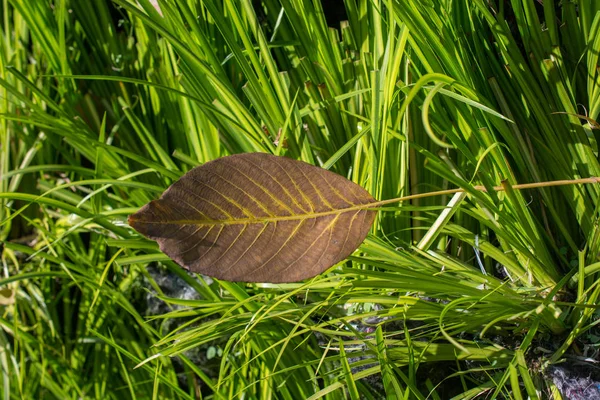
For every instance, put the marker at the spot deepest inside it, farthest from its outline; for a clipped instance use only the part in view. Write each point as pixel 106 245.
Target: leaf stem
pixel 481 188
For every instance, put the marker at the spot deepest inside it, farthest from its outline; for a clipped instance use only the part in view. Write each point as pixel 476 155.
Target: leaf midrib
pixel 263 220
pixel 373 205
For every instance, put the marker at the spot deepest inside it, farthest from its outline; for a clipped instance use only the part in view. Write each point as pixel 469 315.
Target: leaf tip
pixel 133 219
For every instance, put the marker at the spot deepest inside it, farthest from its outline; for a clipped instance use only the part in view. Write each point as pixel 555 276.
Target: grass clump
pixel 104 104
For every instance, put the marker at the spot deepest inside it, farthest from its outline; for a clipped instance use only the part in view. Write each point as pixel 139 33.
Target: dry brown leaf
pixel 258 218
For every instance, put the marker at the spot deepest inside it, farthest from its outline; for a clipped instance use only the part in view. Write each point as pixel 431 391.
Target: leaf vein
pixel 247 194
pixel 280 185
pixel 288 240
pixel 275 199
pixel 330 226
pixel 207 201
pixel 247 249
pixel 316 189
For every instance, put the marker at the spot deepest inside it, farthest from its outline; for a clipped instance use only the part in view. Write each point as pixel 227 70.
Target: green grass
pixel 104 104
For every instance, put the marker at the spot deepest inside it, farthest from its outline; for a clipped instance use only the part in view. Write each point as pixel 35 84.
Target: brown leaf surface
pixel 258 218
